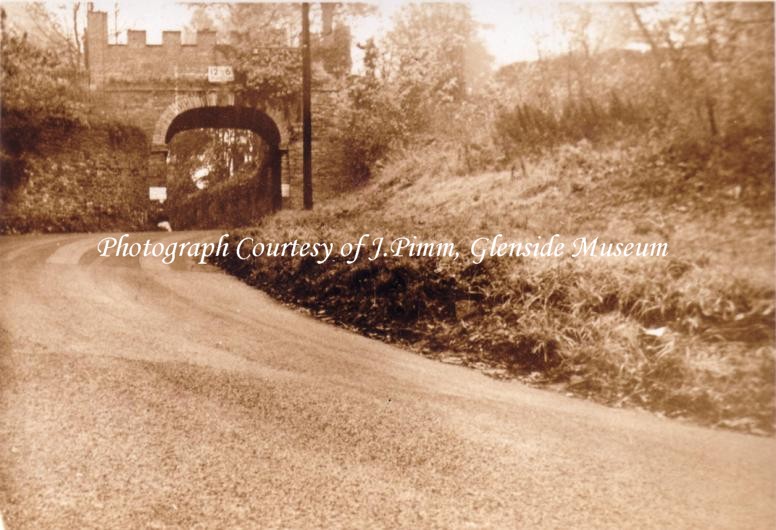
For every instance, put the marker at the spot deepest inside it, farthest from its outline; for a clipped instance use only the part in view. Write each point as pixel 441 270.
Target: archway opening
pixel 226 118
pixel 223 166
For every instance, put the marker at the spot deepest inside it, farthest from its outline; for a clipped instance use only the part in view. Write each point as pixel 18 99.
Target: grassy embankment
pixel 690 335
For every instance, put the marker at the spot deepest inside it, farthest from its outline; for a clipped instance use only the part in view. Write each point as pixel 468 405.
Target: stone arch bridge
pixel 171 87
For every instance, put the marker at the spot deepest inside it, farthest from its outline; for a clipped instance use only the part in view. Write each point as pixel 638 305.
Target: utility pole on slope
pixel 307 126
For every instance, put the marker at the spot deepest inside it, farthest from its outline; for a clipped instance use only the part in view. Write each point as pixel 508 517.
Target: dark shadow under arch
pixel 236 118
pixel 226 118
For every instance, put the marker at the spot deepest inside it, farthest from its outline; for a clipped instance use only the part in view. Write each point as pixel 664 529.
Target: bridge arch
pixel 226 118
pixel 195 112
pixel 214 100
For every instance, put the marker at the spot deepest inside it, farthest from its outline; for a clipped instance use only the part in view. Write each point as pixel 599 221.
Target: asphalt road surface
pixel 139 395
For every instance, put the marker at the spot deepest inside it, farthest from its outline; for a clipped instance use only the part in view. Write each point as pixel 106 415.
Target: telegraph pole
pixel 307 126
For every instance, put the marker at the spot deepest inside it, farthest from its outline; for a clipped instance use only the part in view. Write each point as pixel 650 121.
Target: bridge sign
pixel 220 74
pixel 157 193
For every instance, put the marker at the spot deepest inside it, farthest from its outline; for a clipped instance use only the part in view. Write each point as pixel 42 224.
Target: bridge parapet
pixel 137 60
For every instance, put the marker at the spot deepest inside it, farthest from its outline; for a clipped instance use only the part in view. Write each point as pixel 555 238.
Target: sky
pixel 509 28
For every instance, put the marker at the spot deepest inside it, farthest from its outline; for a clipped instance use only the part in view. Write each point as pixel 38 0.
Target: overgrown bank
pixel 690 335
pixel 62 175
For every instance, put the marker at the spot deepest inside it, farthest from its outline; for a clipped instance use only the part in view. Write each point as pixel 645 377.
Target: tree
pixel 202 158
pixel 38 82
pixel 708 57
pixel 370 118
pixel 433 58
pixel 261 41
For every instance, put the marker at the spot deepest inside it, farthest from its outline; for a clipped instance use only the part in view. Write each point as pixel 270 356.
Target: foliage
pixel 79 179
pixel 714 61
pixel 40 91
pixel 703 72
pixel 238 201
pixel 36 84
pixel 224 153
pixel 678 71
pixel 428 42
pixel 528 126
pixel 370 121
pixel 212 171
pixel 262 40
pixel 259 39
pixel 432 59
pixel 40 82
pixel 419 80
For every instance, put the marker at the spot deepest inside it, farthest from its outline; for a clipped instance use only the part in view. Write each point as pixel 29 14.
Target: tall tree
pixel 433 56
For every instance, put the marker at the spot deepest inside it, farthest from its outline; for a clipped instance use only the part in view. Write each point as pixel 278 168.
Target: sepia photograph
pixel 387 264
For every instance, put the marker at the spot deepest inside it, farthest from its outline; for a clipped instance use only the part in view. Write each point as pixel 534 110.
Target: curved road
pixel 138 395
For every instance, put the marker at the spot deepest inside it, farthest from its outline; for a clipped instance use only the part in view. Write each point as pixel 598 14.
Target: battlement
pixel 137 59
pixel 97 35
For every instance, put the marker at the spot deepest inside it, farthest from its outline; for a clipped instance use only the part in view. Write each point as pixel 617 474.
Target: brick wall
pixel 138 61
